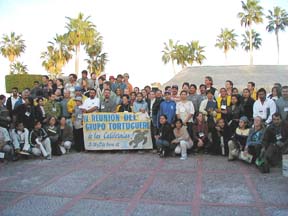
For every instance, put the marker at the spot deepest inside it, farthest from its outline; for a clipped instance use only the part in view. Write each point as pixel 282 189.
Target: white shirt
pixel 184 109
pixel 89 103
pixel 261 110
pixel 13 101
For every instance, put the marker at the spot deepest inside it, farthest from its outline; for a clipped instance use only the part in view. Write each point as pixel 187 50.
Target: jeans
pixel 162 144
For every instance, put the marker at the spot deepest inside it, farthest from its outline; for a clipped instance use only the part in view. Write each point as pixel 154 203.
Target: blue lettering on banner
pixel 96 126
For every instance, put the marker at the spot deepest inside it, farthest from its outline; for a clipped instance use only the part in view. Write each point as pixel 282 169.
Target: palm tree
pixel 277 21
pixel 181 55
pixel 97 60
pixel 56 56
pixel 252 14
pixel 81 31
pixel 19 68
pixel 195 53
pixel 169 53
pixel 12 46
pixel 256 41
pixel 226 40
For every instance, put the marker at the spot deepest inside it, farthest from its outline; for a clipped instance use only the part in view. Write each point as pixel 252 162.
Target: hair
pixel 56 121
pixel 92 89
pixel 185 84
pixel 237 97
pixel 46 76
pixel 178 120
pixel 223 89
pixel 246 89
pixel 230 82
pixel 183 91
pixel 210 79
pixel 285 87
pixel 131 93
pixel 139 93
pixel 166 88
pixel 261 90
pixel 107 83
pixel 15 88
pixel 163 115
pixel 126 95
pixel 277 115
pixel 202 85
pixel 251 83
pixel 38 99
pixel 102 78
pixel 147 86
pixel 209 92
pixel 17 123
pixel 107 90
pixel 278 90
pixel 2 97
pixel 60 80
pixel 36 122
pixel 234 88
pixel 36 81
pixel 193 85
pixel 74 76
pixel 85 72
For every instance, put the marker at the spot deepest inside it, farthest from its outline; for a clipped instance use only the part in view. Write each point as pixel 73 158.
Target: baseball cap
pixel 167 92
pixel 244 118
pixel 77 88
pixel 126 75
pixel 78 98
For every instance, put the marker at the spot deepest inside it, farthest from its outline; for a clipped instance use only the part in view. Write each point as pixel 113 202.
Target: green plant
pixel 21 81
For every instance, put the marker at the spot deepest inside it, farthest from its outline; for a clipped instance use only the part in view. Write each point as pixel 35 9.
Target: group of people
pixel 48 119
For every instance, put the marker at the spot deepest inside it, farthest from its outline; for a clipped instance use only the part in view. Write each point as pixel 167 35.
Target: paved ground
pixel 139 184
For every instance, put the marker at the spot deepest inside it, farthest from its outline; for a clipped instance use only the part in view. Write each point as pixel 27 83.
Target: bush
pixel 21 81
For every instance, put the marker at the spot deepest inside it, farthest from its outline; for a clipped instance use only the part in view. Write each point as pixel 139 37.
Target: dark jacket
pixel 165 132
pixel 271 135
pixel 34 134
pixel 66 134
pixel 26 114
pixel 247 107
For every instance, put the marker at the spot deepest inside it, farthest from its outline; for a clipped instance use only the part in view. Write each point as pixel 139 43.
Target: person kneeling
pixel 40 141
pixel 183 140
pixel 66 136
pixel 6 148
pixel 20 137
pixel 164 136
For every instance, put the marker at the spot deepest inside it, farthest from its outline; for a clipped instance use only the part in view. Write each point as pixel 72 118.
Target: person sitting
pixel 6 148
pixel 234 112
pixel 275 141
pixel 254 140
pixel 65 136
pixel 53 132
pixel 200 134
pixel 247 103
pixel 221 134
pixel 40 141
pixel 182 139
pixel 20 137
pixel 238 140
pixel 164 136
pixel 125 105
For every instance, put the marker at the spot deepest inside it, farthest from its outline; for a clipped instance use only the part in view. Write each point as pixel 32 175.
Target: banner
pixel 111 131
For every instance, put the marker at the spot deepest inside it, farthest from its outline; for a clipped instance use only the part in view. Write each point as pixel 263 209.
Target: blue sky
pixel 134 32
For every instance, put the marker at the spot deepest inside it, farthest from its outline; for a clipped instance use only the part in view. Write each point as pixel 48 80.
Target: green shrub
pixel 21 81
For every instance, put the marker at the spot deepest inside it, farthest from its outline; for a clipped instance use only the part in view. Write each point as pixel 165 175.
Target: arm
pixel 272 107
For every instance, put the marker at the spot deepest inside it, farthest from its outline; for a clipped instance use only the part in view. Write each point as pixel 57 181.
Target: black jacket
pixel 165 132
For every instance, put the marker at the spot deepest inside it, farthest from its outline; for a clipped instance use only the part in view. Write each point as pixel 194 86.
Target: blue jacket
pixel 168 108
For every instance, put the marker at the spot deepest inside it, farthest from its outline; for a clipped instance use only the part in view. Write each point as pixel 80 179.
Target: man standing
pixel 128 84
pixel 107 104
pixel 72 84
pixel 282 103
pixel 92 103
pixel 118 84
pixel 264 107
pixel 209 86
pixel 84 76
pixel 251 88
pixel 64 107
pixel 52 108
pixel 10 104
pixel 194 97
pixel 168 107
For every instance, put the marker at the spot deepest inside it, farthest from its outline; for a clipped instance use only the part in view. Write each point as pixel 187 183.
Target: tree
pixel 169 53
pixel 277 21
pixel 252 14
pixel 12 46
pixel 56 56
pixel 195 53
pixel 256 41
pixel 81 31
pixel 19 68
pixel 181 55
pixel 226 40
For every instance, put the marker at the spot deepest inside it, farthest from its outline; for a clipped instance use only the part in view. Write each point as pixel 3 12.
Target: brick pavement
pixel 139 184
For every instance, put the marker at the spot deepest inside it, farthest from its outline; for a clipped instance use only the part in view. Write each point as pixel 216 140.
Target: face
pixel 152 95
pixel 158 94
pixel 50 83
pixel 14 92
pixel 210 96
pixel 92 94
pixel 126 78
pixel 53 97
pixel 52 121
pixel 183 96
pixel 78 93
pixel 234 100
pixel 136 89
pixel 174 91
pixel 285 93
pixel 242 124
pixel 221 123
pixel 41 102
pixel 200 117
pixel 78 103
pixel 139 97
pixel 58 92
pixel 162 120
pixel 262 96
pixel 192 90
pixel 276 120
pixel 274 92
pixel 44 80
pixel 20 127
pixel 118 91
pixel 38 126
pixel 207 82
pixel 62 121
pixel 228 85
pixel 223 92
pixel 36 85
pixel 125 100
pixel 185 87
pixel 58 83
pixel 84 76
pixel 126 91
pixel 71 79
pixel 107 94
pixel 133 96
pixel 246 93
pixel 168 97
pixel 235 91
pixel 66 94
pixel 93 76
pixel 202 90
pixel 178 124
pixel 144 93
pixel 257 122
pixel 250 87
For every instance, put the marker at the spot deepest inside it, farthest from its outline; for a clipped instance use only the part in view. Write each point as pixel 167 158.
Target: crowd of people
pixel 246 124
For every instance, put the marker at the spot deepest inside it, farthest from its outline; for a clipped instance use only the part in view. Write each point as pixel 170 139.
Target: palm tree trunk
pixel 278 47
pixel 226 61
pixel 77 59
pixel 250 45
pixel 173 67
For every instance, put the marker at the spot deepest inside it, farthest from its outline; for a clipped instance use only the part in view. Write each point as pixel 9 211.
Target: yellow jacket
pixel 254 95
pixel 219 99
pixel 71 104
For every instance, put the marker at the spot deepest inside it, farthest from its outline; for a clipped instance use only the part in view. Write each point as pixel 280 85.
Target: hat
pixel 175 86
pixel 244 118
pixel 77 88
pixel 126 75
pixel 167 92
pixel 111 77
pixel 78 98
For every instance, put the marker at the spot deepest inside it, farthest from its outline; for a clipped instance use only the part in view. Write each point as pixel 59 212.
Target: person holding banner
pixel 125 105
pixel 164 137
pixel 107 104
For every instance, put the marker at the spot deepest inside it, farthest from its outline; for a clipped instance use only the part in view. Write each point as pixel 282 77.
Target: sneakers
pixel 48 157
pixel 162 153
pixel 183 158
pixel 24 153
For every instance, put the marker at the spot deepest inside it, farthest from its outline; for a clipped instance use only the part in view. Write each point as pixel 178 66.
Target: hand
pixel 218 128
pixel 200 143
pixel 224 111
pixel 156 137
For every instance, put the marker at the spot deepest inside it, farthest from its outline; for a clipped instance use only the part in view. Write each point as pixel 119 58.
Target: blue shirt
pixel 168 108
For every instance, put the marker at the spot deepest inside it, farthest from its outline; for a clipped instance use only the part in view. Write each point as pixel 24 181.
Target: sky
pixel 134 32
